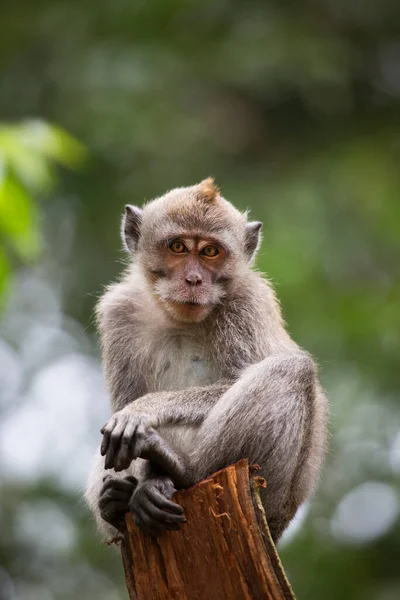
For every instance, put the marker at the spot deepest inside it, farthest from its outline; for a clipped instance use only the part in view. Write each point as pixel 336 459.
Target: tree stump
pixel 224 551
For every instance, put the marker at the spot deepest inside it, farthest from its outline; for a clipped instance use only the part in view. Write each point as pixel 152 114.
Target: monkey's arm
pixel 109 493
pixel 189 406
pixel 131 432
pixel 110 496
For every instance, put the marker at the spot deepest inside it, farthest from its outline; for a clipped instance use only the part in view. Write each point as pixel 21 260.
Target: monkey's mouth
pixel 191 303
pixel 189 310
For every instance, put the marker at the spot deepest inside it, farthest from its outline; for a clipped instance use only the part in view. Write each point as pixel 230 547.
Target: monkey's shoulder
pixel 250 326
pixel 124 304
pixel 252 302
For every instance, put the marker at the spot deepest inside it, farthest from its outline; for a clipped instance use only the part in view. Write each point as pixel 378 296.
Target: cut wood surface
pixel 223 552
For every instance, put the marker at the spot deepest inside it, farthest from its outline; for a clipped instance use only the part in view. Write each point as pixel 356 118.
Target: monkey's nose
pixel 194 279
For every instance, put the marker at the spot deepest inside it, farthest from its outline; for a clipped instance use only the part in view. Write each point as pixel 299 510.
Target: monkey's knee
pixel 297 370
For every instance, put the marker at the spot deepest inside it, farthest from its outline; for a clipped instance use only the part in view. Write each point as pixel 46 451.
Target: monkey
pixel 200 369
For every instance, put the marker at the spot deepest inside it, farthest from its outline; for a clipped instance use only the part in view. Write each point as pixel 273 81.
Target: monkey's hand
pixel 129 435
pixel 114 499
pixel 125 436
pixel 152 508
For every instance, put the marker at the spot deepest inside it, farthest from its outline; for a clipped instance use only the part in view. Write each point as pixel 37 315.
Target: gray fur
pixel 233 385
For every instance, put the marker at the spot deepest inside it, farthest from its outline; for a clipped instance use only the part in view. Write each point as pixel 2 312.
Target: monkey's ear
pixel 130 231
pixel 253 239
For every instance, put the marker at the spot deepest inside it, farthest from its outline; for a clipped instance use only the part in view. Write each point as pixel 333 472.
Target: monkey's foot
pixel 152 508
pixel 115 496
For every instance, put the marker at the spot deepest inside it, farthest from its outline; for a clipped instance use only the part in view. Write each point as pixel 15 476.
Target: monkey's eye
pixel 178 247
pixel 210 251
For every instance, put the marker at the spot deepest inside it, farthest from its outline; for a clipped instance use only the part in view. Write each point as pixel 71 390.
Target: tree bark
pixel 224 551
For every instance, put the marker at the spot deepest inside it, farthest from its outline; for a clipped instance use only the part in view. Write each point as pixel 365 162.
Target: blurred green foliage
pixel 27 153
pixel 295 109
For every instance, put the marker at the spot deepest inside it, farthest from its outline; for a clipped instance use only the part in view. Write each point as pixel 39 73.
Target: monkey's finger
pixel 148 524
pixel 114 508
pixel 159 500
pixel 109 426
pixel 110 496
pixel 161 516
pixel 127 484
pixel 106 431
pixel 139 441
pixel 113 511
pixel 132 479
pixel 105 443
pixel 126 491
pixel 114 443
pixel 124 456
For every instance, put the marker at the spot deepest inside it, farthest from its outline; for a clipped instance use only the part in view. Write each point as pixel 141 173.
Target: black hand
pixel 130 435
pixel 114 499
pixel 152 508
pixel 123 438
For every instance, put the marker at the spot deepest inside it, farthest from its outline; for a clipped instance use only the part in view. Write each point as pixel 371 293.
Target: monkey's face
pixel 193 246
pixel 189 279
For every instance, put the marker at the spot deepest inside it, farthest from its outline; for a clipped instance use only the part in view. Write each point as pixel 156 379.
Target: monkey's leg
pixel 268 417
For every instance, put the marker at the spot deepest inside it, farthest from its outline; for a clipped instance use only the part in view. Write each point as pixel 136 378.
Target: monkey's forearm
pixel 133 431
pixel 189 406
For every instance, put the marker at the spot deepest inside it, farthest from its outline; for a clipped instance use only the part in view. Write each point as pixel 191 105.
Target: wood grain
pixel 224 551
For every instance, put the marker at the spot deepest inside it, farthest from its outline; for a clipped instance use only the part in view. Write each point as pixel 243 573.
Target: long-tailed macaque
pixel 200 369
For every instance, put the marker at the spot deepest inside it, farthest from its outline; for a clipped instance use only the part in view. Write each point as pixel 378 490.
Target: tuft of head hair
pixel 208 190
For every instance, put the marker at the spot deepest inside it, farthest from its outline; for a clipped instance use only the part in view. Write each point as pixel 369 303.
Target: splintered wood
pixel 223 552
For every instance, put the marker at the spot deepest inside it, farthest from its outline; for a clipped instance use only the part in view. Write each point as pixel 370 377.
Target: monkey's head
pixel 191 244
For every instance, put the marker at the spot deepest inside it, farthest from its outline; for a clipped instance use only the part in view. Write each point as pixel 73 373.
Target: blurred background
pixel 295 109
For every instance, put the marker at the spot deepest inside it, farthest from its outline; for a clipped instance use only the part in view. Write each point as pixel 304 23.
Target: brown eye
pixel 178 247
pixel 210 251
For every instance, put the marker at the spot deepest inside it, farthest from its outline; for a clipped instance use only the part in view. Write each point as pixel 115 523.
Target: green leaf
pixel 53 142
pixel 28 150
pixel 18 218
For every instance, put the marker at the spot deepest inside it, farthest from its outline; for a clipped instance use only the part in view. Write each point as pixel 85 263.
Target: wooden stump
pixel 223 552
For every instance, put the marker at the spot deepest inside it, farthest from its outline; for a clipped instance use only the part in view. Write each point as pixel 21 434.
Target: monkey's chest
pixel 185 366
